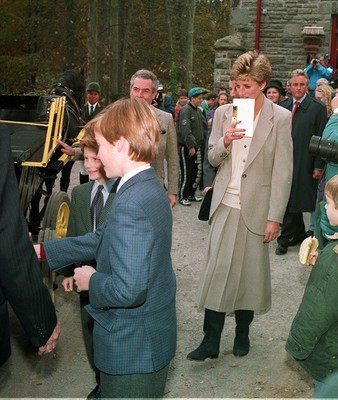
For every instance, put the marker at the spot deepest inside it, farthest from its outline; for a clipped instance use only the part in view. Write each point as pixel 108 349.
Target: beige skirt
pixel 237 274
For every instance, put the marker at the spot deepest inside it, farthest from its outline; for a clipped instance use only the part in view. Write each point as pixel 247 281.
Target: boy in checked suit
pixel 132 291
pixel 83 220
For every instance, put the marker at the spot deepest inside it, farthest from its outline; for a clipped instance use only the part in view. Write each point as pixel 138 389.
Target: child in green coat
pixel 313 338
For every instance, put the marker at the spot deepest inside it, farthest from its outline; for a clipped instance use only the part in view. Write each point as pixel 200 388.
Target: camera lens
pixel 324 148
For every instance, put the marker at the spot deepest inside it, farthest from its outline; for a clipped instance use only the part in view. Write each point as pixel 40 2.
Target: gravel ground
pixel 266 372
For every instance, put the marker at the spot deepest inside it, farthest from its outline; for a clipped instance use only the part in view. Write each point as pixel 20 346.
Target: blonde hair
pixel 326 91
pixel 252 65
pixel 134 120
pixel 331 189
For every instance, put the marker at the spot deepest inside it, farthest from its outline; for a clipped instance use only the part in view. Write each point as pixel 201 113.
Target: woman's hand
pixel 271 231
pixel 233 133
pixel 206 189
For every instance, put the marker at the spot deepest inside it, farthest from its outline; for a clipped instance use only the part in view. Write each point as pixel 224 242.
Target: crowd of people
pixel 147 150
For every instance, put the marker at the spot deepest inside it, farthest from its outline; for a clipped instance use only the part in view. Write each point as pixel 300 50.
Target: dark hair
pixel 182 92
pixel 211 96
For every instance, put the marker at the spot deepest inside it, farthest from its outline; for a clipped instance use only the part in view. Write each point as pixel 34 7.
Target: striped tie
pixel 96 207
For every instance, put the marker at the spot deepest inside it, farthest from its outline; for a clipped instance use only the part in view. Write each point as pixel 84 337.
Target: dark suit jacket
pixel 80 221
pixel 20 275
pixel 132 294
pixel 85 112
pixel 309 119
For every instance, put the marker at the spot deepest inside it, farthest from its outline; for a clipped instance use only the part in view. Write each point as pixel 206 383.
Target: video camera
pixel 324 148
pixel 315 61
pixel 159 97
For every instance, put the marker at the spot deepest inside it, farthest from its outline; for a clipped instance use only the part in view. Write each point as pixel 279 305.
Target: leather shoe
pixel 95 393
pixel 281 250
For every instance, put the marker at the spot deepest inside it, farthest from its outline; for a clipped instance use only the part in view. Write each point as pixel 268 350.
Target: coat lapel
pixel 262 131
pixel 109 201
pixel 84 207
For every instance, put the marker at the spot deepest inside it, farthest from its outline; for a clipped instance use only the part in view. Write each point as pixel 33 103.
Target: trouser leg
pixel 87 323
pixel 293 229
pixel 135 386
pixel 187 173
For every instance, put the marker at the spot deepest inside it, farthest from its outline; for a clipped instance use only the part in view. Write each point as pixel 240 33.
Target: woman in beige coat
pixel 251 191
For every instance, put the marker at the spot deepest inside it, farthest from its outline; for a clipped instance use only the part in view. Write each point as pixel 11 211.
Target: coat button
pixel 244 176
pixel 334 357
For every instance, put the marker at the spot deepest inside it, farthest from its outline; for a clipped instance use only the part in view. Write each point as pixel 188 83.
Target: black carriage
pixel 36 122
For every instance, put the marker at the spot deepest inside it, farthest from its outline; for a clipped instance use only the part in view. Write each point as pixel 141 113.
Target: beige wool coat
pixel 237 273
pixel 267 176
pixel 167 165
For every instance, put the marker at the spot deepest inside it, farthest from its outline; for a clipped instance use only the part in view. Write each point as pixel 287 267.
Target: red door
pixel 334 44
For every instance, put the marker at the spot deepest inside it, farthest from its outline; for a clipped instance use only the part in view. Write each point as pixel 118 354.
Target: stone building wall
pixel 282 23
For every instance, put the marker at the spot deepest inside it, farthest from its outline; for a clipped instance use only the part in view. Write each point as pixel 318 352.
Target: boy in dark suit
pixel 84 219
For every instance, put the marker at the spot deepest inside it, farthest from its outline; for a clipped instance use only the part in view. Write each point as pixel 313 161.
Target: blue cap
pixel 196 91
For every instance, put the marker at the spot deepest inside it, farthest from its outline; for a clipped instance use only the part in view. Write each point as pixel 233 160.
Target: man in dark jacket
pixel 191 128
pixel 21 283
pixel 91 108
pixel 309 118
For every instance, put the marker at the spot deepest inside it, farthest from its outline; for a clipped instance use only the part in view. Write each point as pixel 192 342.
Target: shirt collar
pixel 132 173
pixel 299 101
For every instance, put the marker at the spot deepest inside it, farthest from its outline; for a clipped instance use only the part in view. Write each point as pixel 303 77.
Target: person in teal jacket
pixel 313 337
pixel 315 70
pixel 323 226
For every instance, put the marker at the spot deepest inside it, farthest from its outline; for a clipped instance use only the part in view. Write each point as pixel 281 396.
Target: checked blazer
pixel 132 294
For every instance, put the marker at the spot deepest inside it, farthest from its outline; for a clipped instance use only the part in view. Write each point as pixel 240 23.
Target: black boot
pixel 242 342
pixel 212 327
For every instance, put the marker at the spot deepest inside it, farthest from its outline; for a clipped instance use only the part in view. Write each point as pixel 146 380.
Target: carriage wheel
pixel 57 214
pixel 54 225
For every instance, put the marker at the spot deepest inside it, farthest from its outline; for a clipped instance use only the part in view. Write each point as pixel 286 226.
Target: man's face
pixel 298 86
pixel 143 88
pixel 93 97
pixel 196 101
pixel 321 60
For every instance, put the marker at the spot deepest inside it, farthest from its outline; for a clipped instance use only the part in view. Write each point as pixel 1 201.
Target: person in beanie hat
pixel 91 108
pixel 191 127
